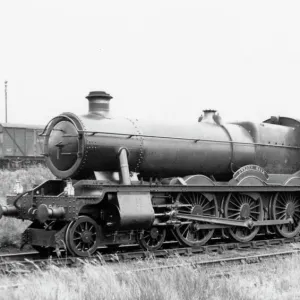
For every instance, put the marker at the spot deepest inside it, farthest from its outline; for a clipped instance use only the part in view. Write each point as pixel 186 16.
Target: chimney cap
pixel 209 110
pixel 98 94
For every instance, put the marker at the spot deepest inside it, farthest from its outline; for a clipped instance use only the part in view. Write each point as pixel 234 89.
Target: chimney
pixel 208 116
pixel 99 102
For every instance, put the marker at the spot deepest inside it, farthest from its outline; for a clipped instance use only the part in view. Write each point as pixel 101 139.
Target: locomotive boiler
pixel 78 146
pixel 124 181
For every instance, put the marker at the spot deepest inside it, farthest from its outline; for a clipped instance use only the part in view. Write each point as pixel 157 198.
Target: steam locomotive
pixel 125 181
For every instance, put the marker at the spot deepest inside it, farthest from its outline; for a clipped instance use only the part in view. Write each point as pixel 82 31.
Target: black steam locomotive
pixel 124 181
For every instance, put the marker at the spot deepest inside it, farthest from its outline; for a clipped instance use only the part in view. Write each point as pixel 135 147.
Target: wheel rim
pixel 285 206
pixel 152 239
pixel 242 207
pixel 81 236
pixel 200 204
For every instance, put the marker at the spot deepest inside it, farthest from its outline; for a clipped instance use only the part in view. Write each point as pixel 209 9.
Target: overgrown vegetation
pixel 11 229
pixel 275 280
pixel 27 177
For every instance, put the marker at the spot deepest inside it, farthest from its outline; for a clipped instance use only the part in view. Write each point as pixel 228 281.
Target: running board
pixel 249 223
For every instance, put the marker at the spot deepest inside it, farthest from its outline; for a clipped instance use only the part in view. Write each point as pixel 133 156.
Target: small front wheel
pixel 81 236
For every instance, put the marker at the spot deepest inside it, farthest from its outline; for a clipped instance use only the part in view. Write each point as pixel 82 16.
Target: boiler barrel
pixel 77 146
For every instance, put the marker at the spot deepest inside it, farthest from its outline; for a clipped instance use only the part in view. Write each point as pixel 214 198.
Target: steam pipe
pixel 124 168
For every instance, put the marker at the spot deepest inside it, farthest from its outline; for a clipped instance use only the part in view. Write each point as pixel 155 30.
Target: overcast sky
pixel 158 59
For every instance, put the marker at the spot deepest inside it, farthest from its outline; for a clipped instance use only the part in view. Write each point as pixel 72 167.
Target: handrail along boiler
pixel 124 181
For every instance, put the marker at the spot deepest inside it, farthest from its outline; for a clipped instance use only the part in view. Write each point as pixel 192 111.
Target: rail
pixel 133 252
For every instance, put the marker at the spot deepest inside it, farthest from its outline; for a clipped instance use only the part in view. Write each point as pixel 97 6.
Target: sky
pixel 161 60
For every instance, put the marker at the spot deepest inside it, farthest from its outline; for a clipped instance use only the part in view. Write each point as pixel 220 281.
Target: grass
pixel 11 229
pixel 276 280
pixel 27 177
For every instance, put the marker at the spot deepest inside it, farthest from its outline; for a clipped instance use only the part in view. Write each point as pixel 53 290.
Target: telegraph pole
pixel 5 84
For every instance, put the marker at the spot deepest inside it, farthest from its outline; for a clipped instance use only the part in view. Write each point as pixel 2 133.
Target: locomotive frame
pixel 166 209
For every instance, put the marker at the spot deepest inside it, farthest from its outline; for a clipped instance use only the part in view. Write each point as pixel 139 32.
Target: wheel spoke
pixel 78 245
pixel 297 215
pixel 207 203
pixel 237 200
pixel 253 217
pixel 233 203
pixel 186 229
pixel 77 233
pixel 281 207
pixel 186 199
pixel 255 212
pixel 253 207
pixel 233 215
pixel 200 199
pixel 194 198
pixel 207 209
pixel 282 202
pixel 233 209
pixel 201 203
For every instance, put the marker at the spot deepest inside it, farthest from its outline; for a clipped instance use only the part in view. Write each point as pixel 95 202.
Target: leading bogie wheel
pixel 81 236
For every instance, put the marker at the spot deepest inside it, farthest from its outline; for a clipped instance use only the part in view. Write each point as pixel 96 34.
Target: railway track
pixel 20 256
pixel 21 262
pixel 222 262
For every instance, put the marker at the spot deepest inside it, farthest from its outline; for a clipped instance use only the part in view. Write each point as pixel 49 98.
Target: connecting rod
pixel 248 223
